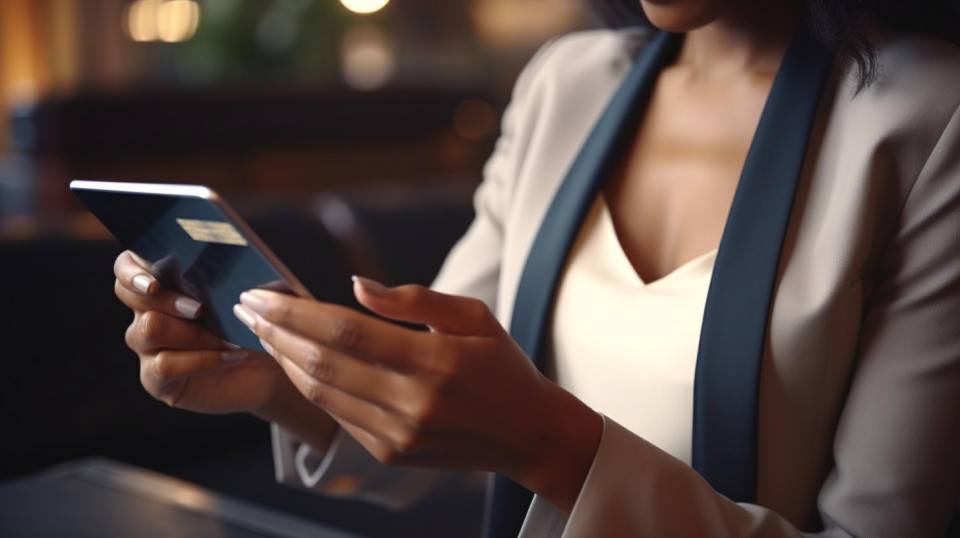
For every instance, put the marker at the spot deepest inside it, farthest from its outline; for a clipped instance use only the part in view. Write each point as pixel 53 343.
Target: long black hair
pixel 839 24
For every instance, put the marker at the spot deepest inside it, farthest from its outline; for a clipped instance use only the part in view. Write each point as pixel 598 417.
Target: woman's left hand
pixel 462 395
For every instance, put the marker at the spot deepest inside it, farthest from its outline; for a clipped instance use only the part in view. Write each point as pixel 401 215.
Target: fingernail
pixel 187 306
pixel 371 286
pixel 236 355
pixel 255 302
pixel 245 315
pixel 267 347
pixel 231 345
pixel 142 282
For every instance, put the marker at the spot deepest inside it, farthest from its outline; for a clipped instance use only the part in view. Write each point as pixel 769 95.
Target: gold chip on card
pixel 210 231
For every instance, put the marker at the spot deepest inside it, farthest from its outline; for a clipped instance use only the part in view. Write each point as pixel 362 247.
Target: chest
pixel 670 195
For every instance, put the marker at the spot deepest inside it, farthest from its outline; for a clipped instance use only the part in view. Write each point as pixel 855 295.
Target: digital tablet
pixel 194 243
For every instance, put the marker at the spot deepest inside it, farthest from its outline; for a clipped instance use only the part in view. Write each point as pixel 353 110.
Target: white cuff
pixel 543 520
pixel 346 469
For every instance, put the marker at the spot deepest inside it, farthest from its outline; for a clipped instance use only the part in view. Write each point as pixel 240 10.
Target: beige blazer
pixel 860 383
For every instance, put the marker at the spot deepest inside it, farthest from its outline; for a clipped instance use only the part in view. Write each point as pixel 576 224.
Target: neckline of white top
pixel 622 269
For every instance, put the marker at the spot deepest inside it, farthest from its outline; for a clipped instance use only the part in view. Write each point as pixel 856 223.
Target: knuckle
pixel 163 366
pixel 479 311
pixel 345 333
pixel 424 415
pixel 278 313
pixel 152 326
pixel 406 442
pixel 318 364
pixel 417 293
pixel 263 329
pixel 317 394
pixel 170 394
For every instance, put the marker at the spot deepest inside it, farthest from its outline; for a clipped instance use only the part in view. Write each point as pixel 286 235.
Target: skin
pixel 462 394
pixel 670 196
pixel 184 365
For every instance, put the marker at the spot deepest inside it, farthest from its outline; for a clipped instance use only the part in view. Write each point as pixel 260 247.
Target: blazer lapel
pixel 509 501
pixel 738 301
pixel 592 165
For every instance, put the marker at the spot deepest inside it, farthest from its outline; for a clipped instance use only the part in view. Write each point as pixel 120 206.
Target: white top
pixel 626 348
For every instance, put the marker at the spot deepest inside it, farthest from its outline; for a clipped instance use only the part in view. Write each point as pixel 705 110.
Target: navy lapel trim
pixel 592 165
pixel 738 301
pixel 531 312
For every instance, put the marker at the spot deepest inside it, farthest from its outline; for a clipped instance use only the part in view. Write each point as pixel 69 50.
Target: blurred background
pixel 350 133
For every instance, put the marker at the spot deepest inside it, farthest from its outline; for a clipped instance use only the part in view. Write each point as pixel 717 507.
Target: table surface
pixel 104 498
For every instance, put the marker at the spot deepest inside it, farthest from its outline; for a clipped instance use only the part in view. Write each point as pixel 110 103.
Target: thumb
pixel 413 303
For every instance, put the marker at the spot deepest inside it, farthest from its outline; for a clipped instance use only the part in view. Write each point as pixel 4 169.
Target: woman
pixel 801 375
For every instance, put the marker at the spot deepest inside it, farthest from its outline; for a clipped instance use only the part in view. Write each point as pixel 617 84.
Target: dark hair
pixel 838 24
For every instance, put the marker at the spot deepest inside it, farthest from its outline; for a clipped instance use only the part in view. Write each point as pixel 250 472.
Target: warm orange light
pixel 364 6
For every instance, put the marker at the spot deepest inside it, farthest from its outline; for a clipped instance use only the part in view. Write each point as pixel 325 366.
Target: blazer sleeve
pixel 472 268
pixel 897 445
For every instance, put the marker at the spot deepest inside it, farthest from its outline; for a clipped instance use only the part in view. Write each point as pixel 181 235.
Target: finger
pixel 347 409
pixel 153 330
pixel 170 365
pixel 337 327
pixel 162 300
pixel 132 273
pixel 351 375
pixel 140 290
pixel 416 304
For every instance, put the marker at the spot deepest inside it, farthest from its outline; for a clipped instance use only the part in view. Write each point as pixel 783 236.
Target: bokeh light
pixel 171 21
pixel 364 6
pixel 366 58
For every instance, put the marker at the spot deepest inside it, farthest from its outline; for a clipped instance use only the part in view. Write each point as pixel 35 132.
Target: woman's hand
pixel 462 395
pixel 186 366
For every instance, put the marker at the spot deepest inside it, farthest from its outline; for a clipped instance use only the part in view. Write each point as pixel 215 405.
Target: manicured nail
pixel 235 355
pixel 231 345
pixel 187 306
pixel 267 347
pixel 371 286
pixel 142 282
pixel 254 301
pixel 245 315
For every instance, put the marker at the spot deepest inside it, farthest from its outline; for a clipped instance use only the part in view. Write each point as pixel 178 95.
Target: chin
pixel 683 15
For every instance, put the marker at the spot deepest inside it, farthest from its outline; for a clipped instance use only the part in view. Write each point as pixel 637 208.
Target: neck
pixel 750 40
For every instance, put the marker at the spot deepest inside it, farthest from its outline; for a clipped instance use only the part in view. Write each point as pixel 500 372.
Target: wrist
pixel 297 416
pixel 560 464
